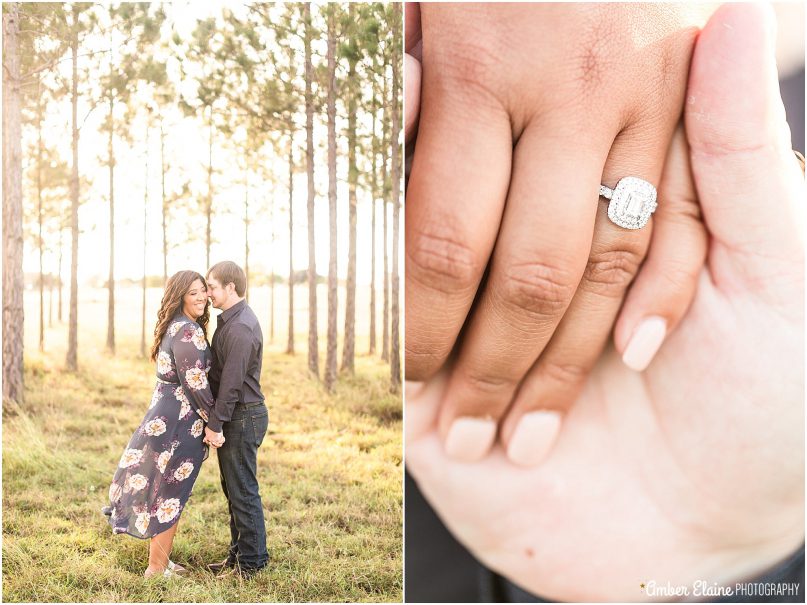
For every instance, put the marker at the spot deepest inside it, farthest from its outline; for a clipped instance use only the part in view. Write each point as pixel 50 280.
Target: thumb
pixel 748 180
pixel 412 72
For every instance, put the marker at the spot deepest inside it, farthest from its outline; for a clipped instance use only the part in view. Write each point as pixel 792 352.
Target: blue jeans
pixel 238 467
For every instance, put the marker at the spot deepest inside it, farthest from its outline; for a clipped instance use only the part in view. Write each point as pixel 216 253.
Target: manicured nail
pixel 645 343
pixel 469 439
pixel 534 437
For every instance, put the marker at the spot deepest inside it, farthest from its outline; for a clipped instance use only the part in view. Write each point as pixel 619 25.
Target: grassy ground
pixel 329 469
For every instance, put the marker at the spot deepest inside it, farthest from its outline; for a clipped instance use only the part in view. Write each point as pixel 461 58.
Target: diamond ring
pixel 633 200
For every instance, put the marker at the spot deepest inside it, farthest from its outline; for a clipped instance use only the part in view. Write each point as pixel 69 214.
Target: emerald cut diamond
pixel 633 200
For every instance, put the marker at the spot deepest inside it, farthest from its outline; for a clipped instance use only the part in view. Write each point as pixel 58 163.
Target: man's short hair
pixel 227 272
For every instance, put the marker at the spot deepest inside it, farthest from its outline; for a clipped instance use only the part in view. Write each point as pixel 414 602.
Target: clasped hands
pixel 213 438
pixel 686 468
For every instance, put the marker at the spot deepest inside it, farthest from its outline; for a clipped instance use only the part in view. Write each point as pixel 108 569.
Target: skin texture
pixel 693 469
pixel 511 263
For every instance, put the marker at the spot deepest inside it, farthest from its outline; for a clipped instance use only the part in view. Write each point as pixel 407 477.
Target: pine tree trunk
pixel 50 301
pixel 395 349
pixel 39 221
pixel 290 345
pixel 13 280
pixel 348 348
pixel 165 205
pixel 145 237
pixel 313 341
pixel 246 229
pixel 272 307
pixel 385 311
pixel 72 332
pixel 272 271
pixel 373 197
pixel 209 204
pixel 330 359
pixel 110 332
pixel 59 275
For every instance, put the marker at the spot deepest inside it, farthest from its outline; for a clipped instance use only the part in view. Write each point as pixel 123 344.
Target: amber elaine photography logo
pixel 702 588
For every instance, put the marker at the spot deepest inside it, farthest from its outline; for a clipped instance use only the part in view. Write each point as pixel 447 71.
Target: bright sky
pixel 187 152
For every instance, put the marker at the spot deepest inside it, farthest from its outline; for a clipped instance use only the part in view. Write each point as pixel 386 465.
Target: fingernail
pixel 534 437
pixel 645 343
pixel 469 439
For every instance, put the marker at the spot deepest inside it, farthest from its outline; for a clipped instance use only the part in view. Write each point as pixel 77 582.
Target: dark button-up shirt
pixel 237 354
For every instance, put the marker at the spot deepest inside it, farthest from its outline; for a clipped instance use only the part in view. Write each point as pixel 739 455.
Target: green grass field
pixel 330 471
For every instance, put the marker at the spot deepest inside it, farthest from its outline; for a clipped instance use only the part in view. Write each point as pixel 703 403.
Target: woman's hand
pixel 526 110
pixel 693 469
pixel 213 438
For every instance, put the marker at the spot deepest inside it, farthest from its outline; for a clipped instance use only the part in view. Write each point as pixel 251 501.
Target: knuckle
pixel 441 262
pixel 715 144
pixel 487 383
pixel 590 66
pixel 564 373
pixel 682 209
pixel 469 63
pixel 610 272
pixel 421 364
pixel 468 69
pixel 597 55
pixel 678 276
pixel 538 289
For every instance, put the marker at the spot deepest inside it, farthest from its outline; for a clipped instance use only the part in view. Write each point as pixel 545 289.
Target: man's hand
pixel 694 469
pixel 213 438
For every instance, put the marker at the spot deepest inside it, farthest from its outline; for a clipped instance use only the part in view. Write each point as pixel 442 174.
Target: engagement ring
pixel 633 200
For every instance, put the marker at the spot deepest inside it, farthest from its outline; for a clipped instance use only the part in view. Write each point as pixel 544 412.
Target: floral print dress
pixel 162 460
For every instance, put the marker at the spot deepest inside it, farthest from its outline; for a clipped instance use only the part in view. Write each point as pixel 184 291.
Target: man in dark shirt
pixel 239 419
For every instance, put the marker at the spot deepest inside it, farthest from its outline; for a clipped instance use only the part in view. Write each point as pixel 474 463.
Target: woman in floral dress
pixel 162 460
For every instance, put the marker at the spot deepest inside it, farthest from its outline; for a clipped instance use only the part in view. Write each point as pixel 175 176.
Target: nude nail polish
pixel 645 343
pixel 469 439
pixel 534 437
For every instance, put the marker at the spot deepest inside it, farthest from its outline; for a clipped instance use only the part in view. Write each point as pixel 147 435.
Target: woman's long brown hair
pixel 175 289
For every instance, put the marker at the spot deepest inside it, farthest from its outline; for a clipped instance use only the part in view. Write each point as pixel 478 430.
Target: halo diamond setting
pixel 632 202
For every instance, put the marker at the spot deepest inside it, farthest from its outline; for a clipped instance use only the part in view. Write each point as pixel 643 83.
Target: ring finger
pixel 666 283
pixel 553 383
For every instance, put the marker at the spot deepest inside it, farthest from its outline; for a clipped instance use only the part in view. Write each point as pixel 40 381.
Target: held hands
pixel 525 111
pixel 692 470
pixel 214 439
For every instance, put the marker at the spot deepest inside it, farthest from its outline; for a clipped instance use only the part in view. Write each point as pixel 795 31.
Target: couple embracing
pixel 207 395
